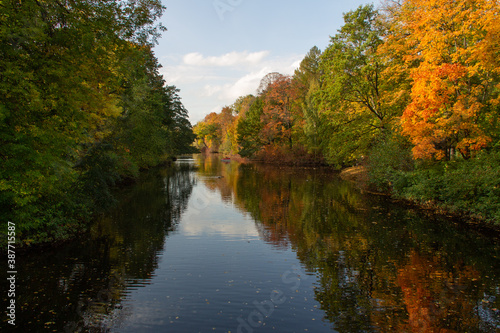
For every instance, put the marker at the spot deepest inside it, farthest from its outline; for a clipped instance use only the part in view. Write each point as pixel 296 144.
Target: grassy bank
pixel 463 188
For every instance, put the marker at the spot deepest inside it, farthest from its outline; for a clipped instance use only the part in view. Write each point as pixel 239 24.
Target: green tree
pixel 309 70
pixel 146 125
pixel 307 80
pixel 72 115
pixel 177 119
pixel 249 127
pixel 355 108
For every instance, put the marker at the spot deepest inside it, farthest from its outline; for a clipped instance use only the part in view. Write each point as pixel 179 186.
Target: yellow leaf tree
pixel 452 50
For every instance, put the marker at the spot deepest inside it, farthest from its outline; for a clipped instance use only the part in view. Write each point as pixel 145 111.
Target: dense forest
pixel 82 107
pixel 410 91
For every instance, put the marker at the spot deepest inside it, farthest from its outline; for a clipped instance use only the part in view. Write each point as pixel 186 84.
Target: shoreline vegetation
pixel 83 108
pixel 405 99
pixel 360 177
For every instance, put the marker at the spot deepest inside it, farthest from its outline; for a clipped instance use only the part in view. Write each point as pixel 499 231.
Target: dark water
pixel 262 249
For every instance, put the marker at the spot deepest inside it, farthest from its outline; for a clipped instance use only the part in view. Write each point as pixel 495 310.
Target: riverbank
pixel 359 175
pixel 66 226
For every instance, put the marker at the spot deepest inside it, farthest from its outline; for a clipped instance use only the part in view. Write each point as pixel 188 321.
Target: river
pixel 212 246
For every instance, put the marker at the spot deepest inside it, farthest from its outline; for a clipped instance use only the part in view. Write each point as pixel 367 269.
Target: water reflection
pixel 381 267
pixel 203 245
pixel 80 287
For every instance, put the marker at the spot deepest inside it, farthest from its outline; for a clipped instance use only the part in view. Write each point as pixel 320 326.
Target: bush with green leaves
pixel 388 161
pixel 463 186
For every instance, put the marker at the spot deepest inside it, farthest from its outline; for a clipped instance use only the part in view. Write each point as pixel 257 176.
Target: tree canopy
pixel 82 104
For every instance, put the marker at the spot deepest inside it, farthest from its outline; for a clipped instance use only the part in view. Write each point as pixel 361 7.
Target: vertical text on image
pixel 11 272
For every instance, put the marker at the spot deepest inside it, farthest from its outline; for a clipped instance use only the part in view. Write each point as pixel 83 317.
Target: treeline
pixel 410 90
pixel 82 106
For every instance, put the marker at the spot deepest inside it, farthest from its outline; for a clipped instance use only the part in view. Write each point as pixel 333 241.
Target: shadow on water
pixel 79 288
pixel 378 266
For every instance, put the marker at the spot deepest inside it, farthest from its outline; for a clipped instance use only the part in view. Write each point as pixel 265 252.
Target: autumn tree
pixel 208 132
pixel 242 104
pixel 455 82
pixel 217 132
pixel 278 113
pixel 228 129
pixel 267 81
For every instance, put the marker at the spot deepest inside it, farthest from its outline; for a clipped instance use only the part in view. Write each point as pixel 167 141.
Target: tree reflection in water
pixel 380 266
pixel 79 287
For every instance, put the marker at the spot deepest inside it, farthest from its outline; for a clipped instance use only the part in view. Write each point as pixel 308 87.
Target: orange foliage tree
pixel 278 116
pixel 453 47
pixel 216 133
pixel 209 132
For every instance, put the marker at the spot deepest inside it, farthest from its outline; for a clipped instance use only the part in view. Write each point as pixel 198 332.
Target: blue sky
pixel 218 50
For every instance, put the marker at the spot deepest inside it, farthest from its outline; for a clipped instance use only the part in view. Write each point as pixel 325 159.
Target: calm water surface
pixel 207 246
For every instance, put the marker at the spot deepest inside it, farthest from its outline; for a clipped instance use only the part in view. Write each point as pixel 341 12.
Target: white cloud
pixel 296 64
pixel 225 60
pixel 208 82
pixel 182 74
pixel 248 83
pixel 216 109
pixel 210 90
pixel 238 87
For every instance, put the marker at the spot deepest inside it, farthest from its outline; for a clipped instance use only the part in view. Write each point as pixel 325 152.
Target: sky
pixel 215 51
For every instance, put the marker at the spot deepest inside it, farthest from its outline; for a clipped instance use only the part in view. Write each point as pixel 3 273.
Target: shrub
pixel 387 162
pixel 471 186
